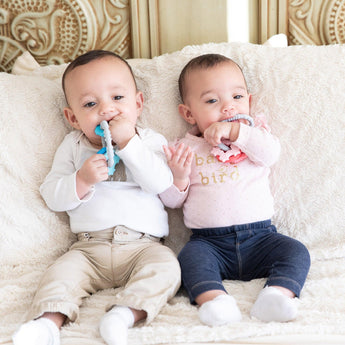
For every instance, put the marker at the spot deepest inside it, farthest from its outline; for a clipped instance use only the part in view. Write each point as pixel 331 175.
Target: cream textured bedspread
pixel 301 90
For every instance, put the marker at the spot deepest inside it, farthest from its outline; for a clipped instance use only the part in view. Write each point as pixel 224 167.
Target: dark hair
pixel 201 62
pixel 91 56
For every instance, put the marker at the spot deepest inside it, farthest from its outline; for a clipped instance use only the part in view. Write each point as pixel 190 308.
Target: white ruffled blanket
pixel 302 92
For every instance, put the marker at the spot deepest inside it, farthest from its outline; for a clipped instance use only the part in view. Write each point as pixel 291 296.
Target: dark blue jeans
pixel 242 252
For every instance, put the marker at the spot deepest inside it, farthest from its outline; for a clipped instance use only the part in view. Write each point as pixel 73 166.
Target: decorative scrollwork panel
pixel 316 22
pixel 56 31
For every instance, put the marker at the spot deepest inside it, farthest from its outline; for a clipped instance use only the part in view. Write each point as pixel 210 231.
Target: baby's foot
pixel 114 325
pixel 273 305
pixel 220 311
pixel 37 332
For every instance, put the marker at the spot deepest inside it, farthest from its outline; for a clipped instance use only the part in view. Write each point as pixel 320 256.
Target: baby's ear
pixel 140 102
pixel 186 113
pixel 71 118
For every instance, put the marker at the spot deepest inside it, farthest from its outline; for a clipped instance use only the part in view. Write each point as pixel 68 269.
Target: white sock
pixel 220 311
pixel 37 332
pixel 114 325
pixel 273 305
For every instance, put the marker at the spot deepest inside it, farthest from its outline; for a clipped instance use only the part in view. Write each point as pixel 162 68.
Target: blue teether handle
pixel 103 151
pixel 99 131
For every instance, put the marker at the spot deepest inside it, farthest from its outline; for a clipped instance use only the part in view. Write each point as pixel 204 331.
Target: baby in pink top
pixel 227 203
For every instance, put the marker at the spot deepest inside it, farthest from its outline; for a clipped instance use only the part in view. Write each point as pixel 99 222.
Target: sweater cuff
pixel 243 136
pixel 87 196
pixel 173 197
pixel 130 148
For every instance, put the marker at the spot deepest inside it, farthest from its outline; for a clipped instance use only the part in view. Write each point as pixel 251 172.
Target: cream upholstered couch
pixel 301 89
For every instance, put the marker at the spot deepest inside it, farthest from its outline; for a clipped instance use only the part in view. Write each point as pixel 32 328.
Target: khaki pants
pixel 147 270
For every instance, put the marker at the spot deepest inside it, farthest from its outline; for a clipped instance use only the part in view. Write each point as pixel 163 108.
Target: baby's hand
pixel 180 162
pixel 221 130
pixel 216 132
pixel 122 130
pixel 94 170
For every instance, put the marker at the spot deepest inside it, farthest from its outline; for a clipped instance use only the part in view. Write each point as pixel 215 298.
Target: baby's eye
pixel 211 101
pixel 89 104
pixel 238 97
pixel 117 98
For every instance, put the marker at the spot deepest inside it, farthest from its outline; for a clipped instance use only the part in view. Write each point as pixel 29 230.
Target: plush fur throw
pixel 301 90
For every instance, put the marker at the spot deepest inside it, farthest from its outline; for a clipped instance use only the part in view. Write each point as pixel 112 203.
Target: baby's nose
pixel 228 108
pixel 107 109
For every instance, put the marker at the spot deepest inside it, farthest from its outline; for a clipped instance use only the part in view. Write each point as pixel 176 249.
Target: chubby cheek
pixel 244 109
pixel 205 123
pixel 89 131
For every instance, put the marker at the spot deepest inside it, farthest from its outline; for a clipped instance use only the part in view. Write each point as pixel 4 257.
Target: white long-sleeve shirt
pixel 223 194
pixel 133 203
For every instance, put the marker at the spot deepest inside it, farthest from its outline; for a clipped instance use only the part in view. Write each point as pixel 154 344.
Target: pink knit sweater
pixel 222 194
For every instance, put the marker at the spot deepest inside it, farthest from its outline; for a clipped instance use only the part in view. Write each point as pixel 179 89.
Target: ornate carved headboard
pixel 56 31
pixel 316 22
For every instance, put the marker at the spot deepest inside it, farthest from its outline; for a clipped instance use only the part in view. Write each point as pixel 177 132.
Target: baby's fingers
pixel 180 152
pixel 189 159
pixel 168 152
pixel 186 156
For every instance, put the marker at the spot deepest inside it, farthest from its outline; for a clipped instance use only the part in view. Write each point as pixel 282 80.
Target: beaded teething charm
pixel 108 150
